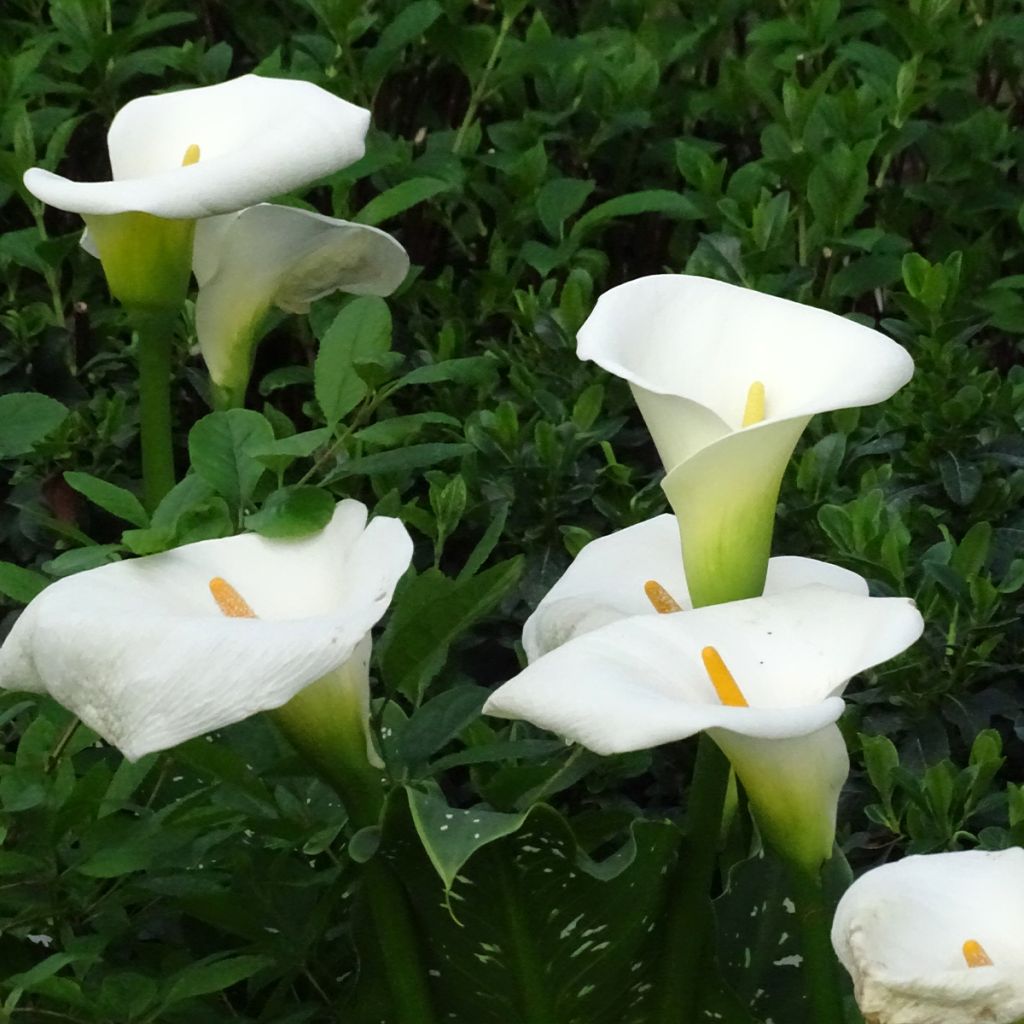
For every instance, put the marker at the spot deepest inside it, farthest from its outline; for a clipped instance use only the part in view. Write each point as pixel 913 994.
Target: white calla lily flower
pixel 763 676
pixel 181 156
pixel 936 939
pixel 267 255
pixel 153 651
pixel 611 579
pixel 727 379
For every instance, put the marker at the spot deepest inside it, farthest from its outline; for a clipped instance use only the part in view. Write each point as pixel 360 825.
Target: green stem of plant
pixel 362 792
pixel 819 968
pixel 689 918
pixel 155 330
pixel 481 85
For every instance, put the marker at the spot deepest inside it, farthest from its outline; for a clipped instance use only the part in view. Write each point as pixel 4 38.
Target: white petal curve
pixel 640 681
pixel 705 342
pixel 899 931
pixel 270 255
pixel 141 653
pixel 258 138
pixel 606 581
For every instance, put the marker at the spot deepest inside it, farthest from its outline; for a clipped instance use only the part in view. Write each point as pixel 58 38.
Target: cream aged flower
pixel 763 676
pixel 639 571
pixel 181 156
pixel 937 939
pixel 153 651
pixel 280 256
pixel 726 379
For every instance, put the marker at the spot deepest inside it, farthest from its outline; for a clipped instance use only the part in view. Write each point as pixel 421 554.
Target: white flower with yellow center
pixel 727 379
pixel 762 676
pixel 639 571
pixel 181 156
pixel 937 939
pixel 153 651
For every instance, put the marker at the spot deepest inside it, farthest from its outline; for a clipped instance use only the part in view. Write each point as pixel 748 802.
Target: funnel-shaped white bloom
pixel 690 349
pixel 641 681
pixel 909 932
pixel 280 256
pixel 144 654
pixel 178 157
pixel 257 138
pixel 606 582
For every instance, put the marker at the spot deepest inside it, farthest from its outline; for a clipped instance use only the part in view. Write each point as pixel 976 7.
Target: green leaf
pixel 293 512
pixel 221 447
pixel 111 498
pixel 533 930
pixel 399 199
pixel 429 613
pixel 439 720
pixel 402 460
pixel 201 979
pixel 26 418
pixel 469 370
pixel 962 480
pixel 20 584
pixel 672 204
pixel 559 199
pixel 359 333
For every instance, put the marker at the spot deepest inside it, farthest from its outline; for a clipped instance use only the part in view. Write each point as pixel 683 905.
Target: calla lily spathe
pixel 146 654
pixel 937 939
pixel 641 681
pixel 606 582
pixel 691 349
pixel 257 138
pixel 181 156
pixel 266 255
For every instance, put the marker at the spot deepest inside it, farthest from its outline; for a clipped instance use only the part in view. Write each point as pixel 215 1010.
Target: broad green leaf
pixel 221 447
pixel 293 512
pixel 559 199
pixel 524 926
pixel 359 333
pixel 672 204
pixel 401 460
pixel 399 199
pixel 468 370
pixel 26 418
pixel 20 584
pixel 429 613
pixel 113 499
pixel 961 480
pixel 200 979
pixel 440 720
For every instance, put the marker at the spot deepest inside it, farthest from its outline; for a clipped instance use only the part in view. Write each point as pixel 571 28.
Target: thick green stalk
pixel 689 918
pixel 819 968
pixel 155 330
pixel 327 727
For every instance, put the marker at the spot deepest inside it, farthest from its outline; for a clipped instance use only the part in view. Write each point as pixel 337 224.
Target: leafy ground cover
pixel 864 157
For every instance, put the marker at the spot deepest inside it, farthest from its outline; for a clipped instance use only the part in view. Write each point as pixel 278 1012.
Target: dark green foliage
pixel 865 157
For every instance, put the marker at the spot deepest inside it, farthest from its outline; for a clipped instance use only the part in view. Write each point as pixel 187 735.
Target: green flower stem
pixel 328 729
pixel 689 917
pixel 820 968
pixel 155 330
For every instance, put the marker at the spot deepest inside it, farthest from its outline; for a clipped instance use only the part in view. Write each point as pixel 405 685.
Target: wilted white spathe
pixel 267 255
pixel 937 939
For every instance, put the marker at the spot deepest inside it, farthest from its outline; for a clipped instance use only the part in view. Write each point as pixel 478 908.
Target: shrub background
pixel 862 156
